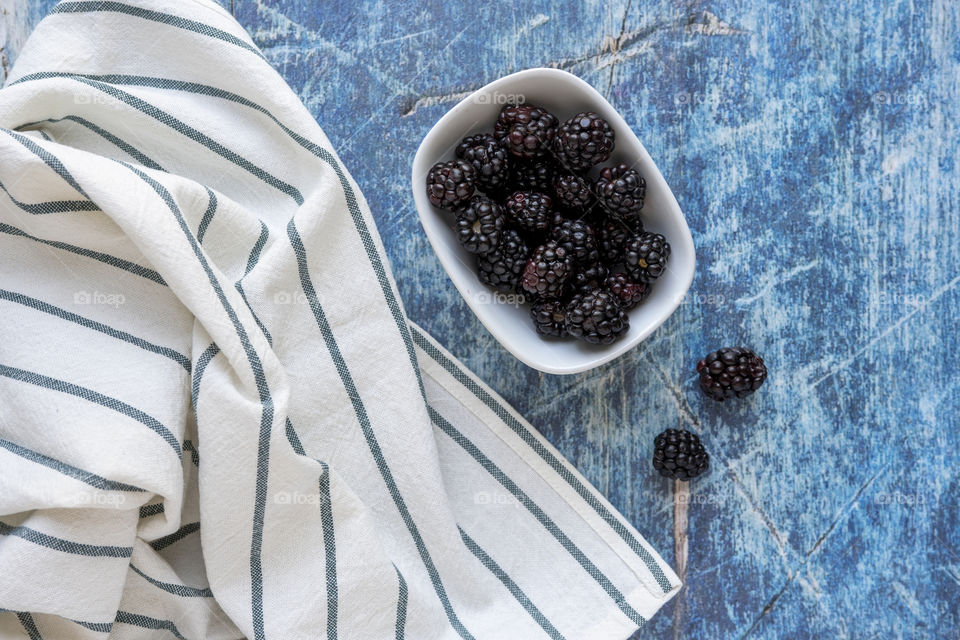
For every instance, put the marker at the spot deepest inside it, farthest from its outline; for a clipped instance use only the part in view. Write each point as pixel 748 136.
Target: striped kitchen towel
pixel 216 420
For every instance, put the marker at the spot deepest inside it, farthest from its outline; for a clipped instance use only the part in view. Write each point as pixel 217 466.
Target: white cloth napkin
pixel 217 421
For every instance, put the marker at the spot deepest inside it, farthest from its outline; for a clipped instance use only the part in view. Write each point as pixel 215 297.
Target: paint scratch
pixel 615 49
pixel 682 406
pixel 883 334
pixel 908 598
pixel 846 509
pixel 708 24
pixel 953 571
pixel 820 540
pixel 772 282
pixel 771 527
pixel 404 37
pixel 536 21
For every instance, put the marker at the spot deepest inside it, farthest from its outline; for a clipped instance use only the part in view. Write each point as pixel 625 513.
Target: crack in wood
pixel 767 608
pixel 681 539
pixel 615 46
pixel 428 101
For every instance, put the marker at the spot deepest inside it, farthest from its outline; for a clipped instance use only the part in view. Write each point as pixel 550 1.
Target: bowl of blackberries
pixel 552 220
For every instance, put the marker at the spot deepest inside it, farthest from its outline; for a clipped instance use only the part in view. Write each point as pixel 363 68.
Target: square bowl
pixel 564 95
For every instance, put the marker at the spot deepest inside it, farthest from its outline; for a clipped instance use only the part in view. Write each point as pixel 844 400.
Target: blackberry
pixel 621 190
pixel 558 218
pixel 547 271
pixel 596 317
pixel 646 256
pixel 526 130
pixel 679 454
pixel 576 236
pixel 612 235
pixel 530 211
pixel 479 224
pixel 589 278
pixel 731 371
pixel 450 184
pixel 531 175
pixel 574 192
pixel 488 157
pixel 628 292
pixel 549 318
pixel 502 267
pixel 584 140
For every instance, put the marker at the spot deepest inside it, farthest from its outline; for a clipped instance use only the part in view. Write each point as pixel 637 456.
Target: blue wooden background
pixel 813 151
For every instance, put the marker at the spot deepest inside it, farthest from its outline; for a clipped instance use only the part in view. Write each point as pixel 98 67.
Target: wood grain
pixel 813 148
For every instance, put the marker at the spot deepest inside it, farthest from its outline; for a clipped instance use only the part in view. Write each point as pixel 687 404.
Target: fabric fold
pixel 218 421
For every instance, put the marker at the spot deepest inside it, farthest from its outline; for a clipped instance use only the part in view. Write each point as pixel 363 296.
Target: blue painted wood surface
pixel 813 151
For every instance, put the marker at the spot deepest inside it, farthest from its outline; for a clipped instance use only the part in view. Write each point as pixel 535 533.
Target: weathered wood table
pixel 813 150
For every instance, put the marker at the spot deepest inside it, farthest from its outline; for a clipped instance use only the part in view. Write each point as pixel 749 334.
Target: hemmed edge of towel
pixel 648 597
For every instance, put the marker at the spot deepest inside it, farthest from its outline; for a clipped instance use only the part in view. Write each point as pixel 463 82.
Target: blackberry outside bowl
pixel 563 94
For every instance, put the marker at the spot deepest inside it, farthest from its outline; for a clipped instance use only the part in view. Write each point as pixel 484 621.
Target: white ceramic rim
pixel 682 242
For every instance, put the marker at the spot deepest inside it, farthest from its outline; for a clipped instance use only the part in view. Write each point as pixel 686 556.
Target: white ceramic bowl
pixel 564 95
